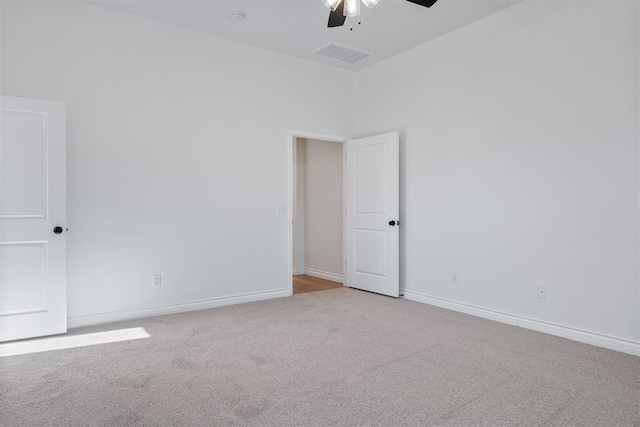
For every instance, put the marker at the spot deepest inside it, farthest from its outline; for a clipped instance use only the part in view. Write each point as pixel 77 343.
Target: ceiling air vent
pixel 342 53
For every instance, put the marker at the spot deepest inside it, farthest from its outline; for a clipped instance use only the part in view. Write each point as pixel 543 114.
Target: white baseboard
pixel 612 343
pixel 324 275
pixel 298 271
pixel 118 316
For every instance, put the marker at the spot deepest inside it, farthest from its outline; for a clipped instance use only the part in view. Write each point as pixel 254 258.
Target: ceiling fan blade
pixel 425 3
pixel 337 18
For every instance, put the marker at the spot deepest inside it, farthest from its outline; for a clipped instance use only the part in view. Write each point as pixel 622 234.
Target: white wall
pixel 520 162
pixel 323 207
pixel 176 151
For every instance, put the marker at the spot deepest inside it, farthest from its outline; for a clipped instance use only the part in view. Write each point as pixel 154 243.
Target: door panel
pixel 23 165
pixel 32 203
pixel 372 199
pixel 370 179
pixel 24 277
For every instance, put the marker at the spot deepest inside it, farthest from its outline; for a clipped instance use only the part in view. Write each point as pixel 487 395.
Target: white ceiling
pixel 299 27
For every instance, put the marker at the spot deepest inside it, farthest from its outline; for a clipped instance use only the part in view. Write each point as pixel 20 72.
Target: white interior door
pixel 372 217
pixel 33 297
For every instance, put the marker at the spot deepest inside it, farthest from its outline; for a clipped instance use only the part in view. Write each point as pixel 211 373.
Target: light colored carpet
pixel 337 357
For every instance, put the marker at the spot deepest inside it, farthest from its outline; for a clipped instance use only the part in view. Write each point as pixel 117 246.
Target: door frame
pixel 292 137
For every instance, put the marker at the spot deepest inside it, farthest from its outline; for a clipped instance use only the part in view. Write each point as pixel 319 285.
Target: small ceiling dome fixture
pixel 236 17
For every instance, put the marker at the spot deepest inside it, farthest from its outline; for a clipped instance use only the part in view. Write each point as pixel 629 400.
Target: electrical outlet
pixel 156 280
pixel 542 291
pixel 454 277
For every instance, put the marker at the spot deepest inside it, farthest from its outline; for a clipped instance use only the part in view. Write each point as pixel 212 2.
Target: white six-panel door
pixel 33 298
pixel 372 215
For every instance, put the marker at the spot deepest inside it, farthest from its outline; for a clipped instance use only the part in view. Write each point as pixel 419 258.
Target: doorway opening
pixel 317 212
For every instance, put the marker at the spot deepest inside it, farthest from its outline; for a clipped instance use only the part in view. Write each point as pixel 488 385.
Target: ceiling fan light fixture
pixel 341 10
pixel 332 4
pixel 351 8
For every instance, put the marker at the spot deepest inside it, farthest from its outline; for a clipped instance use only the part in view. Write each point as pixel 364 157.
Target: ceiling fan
pixel 341 9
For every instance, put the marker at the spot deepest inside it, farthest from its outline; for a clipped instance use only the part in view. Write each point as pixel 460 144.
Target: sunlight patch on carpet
pixel 72 341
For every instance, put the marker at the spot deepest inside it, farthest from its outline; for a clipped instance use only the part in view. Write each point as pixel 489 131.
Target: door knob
pixel 392 223
pixel 58 230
